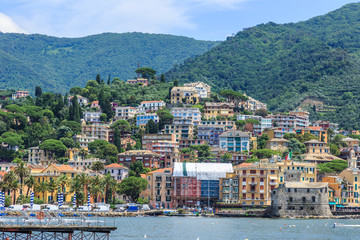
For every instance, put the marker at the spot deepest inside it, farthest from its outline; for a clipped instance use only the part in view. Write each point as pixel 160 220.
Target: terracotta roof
pixel 63 168
pixel 314 141
pixel 161 170
pixel 138 152
pixel 279 140
pixel 234 133
pixel 2 173
pixel 143 175
pixel 35 166
pixel 94 102
pixel 114 165
pixel 244 165
pixel 350 140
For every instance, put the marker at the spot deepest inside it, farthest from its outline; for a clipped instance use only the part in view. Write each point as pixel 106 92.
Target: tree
pixel 226 157
pixel 132 187
pixel 62 182
pixel 10 182
pixel 42 187
pixel 75 90
pixel 109 184
pixel 203 150
pixel 146 72
pixel 262 141
pixel 103 117
pixel 137 168
pixel 105 104
pixel 233 96
pixel 240 124
pixel 110 150
pixel 165 117
pixel 54 146
pixel 97 166
pixel 52 187
pixel 162 78
pixel 21 171
pixel 38 91
pixel 117 139
pixel 151 127
pixel 77 187
pixel 261 112
pixel 96 188
pixel 83 153
pixel 30 183
pixel 333 166
pixel 176 83
pixel 264 153
pixel 123 126
pixel 74 110
pixel 98 78
pixel 68 142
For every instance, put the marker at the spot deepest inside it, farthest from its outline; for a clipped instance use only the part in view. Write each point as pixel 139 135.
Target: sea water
pixel 205 228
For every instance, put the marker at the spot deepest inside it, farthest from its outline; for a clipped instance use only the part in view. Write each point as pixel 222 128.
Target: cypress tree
pixel 98 78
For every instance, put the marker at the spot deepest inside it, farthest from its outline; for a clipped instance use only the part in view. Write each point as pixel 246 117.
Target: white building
pixel 84 163
pixel 203 89
pixel 258 128
pixel 193 113
pixel 124 113
pixel 84 140
pixel 148 106
pixel 117 171
pixel 81 100
pixel 234 141
pixel 92 116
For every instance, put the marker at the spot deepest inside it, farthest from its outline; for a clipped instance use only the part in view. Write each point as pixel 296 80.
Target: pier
pixel 18 232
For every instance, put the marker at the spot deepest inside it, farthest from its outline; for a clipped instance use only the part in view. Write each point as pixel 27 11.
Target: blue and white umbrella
pixel 74 200
pixel 58 199
pixel 31 199
pixel 61 200
pixel 1 205
pixel 88 201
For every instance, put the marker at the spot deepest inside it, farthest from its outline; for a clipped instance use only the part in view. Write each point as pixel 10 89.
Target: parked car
pixel 102 208
pixel 145 207
pixel 84 209
pixel 52 208
pixel 15 208
pixel 133 209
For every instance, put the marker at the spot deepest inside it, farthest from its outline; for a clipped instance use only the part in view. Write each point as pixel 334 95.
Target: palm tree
pixel 22 171
pixel 30 183
pixel 42 187
pixel 83 153
pixel 52 187
pixel 10 182
pixel 78 188
pixel 108 183
pixel 97 166
pixel 62 181
pixel 95 187
pixel 84 179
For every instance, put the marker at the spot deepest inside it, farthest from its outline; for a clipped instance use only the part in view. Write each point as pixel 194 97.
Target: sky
pixel 199 19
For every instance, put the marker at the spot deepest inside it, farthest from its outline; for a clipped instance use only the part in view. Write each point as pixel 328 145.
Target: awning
pixel 332 203
pixel 273 178
pixel 339 205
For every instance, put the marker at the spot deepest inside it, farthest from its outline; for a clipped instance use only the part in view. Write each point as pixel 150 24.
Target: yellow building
pixel 184 95
pixel 350 194
pixel 53 172
pixel 251 184
pixel 214 110
pixel 278 144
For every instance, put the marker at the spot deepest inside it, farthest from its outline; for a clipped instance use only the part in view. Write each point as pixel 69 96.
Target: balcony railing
pixel 273 183
pixel 252 183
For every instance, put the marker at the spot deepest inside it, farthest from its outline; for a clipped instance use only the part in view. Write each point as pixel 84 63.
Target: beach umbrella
pixel 74 200
pixel 31 199
pixel 88 200
pixel 61 199
pixel 3 199
pixel 1 205
pixel 58 199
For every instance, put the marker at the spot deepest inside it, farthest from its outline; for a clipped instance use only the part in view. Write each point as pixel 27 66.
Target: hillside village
pixel 184 146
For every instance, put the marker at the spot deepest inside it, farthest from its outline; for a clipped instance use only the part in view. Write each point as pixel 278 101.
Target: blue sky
pixel 200 19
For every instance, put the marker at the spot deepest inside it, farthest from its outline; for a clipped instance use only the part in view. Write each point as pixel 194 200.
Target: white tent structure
pixel 202 171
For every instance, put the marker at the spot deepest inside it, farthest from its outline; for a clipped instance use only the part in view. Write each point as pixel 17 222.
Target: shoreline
pixel 159 213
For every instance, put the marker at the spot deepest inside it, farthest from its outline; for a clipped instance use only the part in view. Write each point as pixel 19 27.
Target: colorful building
pixel 234 141
pixel 193 113
pixel 149 106
pixel 203 89
pixel 187 95
pixel 214 110
pixel 148 158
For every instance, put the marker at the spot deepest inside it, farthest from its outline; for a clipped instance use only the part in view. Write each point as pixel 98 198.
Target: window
pixel 313 198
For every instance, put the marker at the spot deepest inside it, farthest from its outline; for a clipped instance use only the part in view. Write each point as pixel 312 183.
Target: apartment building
pixel 265 123
pixel 203 89
pixel 214 110
pixel 318 152
pixel 143 119
pixel 149 138
pixel 39 156
pixel 19 94
pixel 84 140
pixel 149 106
pixel 160 189
pixel 99 130
pixel 93 117
pixel 234 141
pixel 117 171
pixel 81 100
pixel 125 113
pixel 252 104
pixel 167 149
pixel 181 128
pixel 317 131
pixel 188 95
pixel 193 113
pixel 148 158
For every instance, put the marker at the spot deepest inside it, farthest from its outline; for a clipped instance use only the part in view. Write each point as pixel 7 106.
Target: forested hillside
pixel 57 64
pixel 283 65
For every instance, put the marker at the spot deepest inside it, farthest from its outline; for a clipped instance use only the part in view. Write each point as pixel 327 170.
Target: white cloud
pixel 7 25
pixel 75 18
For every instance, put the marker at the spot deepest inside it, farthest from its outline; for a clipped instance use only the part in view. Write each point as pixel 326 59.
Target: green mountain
pixel 314 63
pixel 57 64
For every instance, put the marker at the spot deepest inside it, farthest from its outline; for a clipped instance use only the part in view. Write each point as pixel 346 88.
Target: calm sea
pixel 230 228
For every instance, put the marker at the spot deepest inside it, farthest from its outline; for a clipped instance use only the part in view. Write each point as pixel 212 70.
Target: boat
pixel 335 225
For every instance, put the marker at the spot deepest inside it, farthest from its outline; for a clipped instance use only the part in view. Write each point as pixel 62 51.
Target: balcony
pixel 158 187
pixel 273 183
pixel 253 183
